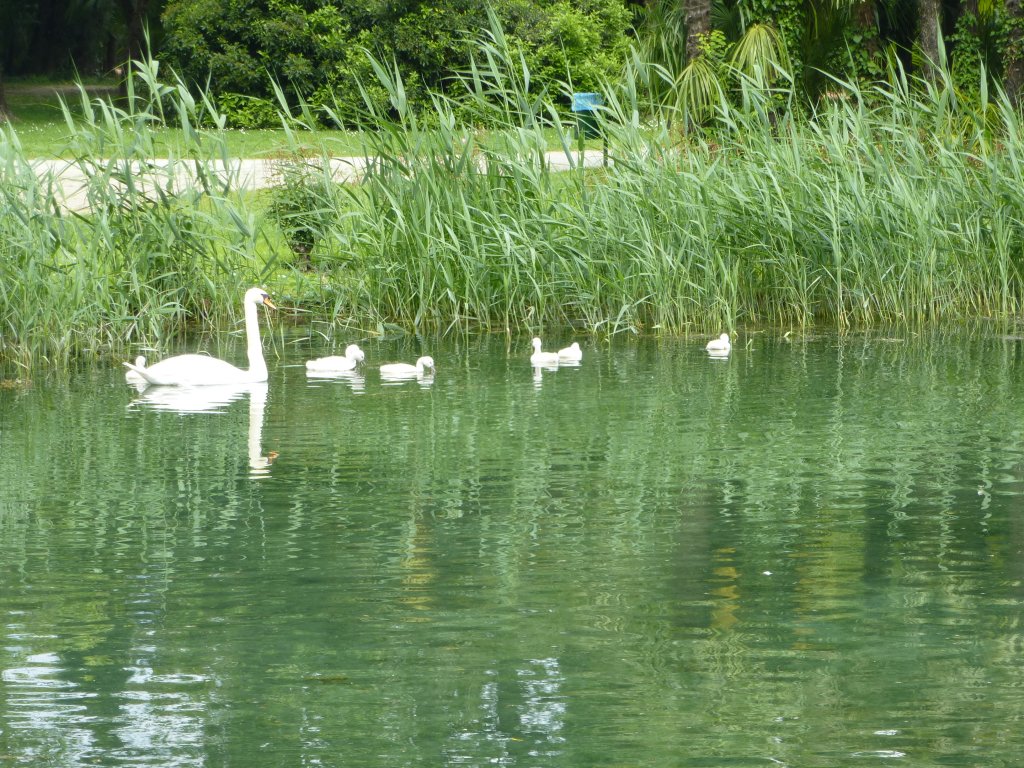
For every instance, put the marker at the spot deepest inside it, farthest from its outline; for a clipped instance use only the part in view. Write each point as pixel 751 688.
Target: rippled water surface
pixel 808 554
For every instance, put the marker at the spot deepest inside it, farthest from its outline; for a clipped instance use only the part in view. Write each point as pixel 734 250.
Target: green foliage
pixel 901 204
pixel 303 206
pixel 158 246
pixel 316 50
pixel 978 45
pixel 249 112
pixel 901 212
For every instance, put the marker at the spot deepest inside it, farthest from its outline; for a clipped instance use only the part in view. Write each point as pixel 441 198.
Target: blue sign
pixel 586 102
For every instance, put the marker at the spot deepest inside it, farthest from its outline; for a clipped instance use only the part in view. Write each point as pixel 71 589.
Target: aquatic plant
pixel 148 246
pixel 901 203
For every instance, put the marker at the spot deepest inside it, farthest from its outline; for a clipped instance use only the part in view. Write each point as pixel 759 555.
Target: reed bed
pixel 898 204
pixel 148 261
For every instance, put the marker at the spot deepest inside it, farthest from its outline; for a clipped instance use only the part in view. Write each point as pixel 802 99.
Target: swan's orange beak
pixel 267 302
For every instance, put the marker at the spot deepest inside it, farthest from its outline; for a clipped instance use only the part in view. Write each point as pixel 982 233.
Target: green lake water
pixel 808 554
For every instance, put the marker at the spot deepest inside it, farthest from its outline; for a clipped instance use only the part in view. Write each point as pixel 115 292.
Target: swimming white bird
pixel 719 346
pixel 404 369
pixel 334 363
pixel 136 378
pixel 542 358
pixel 203 370
pixel 572 352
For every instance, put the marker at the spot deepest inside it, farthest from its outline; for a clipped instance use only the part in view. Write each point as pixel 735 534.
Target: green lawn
pixel 40 127
pixel 42 132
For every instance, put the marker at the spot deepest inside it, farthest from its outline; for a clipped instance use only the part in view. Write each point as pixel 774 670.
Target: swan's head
pixel 724 338
pixel 536 344
pixel 575 346
pixel 353 352
pixel 425 362
pixel 258 296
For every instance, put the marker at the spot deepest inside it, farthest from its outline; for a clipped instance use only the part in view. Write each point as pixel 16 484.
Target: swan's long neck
pixel 257 365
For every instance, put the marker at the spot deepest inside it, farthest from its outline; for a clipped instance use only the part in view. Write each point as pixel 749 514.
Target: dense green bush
pixel 316 50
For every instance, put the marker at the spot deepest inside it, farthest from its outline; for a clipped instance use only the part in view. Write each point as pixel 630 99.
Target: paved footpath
pixel 72 181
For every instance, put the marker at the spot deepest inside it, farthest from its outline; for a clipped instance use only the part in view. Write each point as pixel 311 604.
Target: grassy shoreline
pixel 42 131
pixel 907 211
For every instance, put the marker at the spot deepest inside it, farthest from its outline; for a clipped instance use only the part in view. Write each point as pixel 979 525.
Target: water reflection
pixel 538 373
pixel 40 700
pixel 158 710
pixel 810 553
pixel 355 379
pixel 193 399
pixel 424 378
pixel 216 399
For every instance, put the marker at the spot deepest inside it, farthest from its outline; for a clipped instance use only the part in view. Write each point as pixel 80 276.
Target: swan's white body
pixel 136 378
pixel 337 363
pixel 542 358
pixel 404 369
pixel 203 370
pixel 572 352
pixel 719 346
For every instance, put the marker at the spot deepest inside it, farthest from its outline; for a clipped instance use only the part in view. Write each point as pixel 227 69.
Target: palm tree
pixel 135 14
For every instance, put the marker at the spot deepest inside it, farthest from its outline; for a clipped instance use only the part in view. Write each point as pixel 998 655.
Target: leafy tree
pixel 15 24
pixel 316 48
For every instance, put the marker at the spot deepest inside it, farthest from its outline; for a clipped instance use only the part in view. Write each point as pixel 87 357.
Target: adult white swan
pixel 719 346
pixel 396 370
pixel 203 370
pixel 542 358
pixel 572 352
pixel 337 363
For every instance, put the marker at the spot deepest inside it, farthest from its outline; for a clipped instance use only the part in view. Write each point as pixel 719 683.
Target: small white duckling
pixel 572 352
pixel 337 363
pixel 542 358
pixel 395 370
pixel 719 346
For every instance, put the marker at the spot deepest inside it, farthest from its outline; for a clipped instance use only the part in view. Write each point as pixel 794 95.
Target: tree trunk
pixel 698 23
pixel 1014 57
pixel 5 112
pixel 928 35
pixel 865 21
pixel 134 12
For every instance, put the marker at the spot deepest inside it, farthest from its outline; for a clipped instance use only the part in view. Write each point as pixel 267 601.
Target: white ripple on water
pixel 883 753
pixel 162 726
pixel 41 703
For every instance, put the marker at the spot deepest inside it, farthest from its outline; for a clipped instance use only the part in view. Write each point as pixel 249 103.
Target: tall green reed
pixel 897 204
pixel 145 248
pixel 900 203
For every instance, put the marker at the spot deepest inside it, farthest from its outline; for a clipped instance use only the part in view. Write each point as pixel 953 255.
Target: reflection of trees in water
pixel 107 505
pixel 486 569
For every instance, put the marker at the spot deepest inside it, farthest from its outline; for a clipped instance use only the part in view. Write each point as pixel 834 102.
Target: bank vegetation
pixel 899 203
